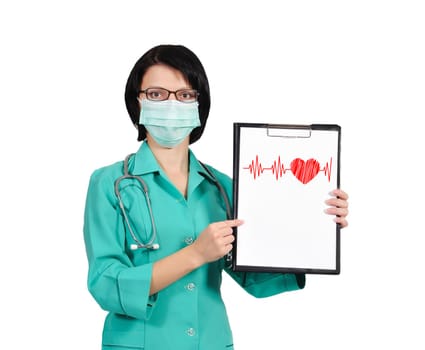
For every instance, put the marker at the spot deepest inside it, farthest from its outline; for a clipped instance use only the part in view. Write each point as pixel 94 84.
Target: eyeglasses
pixel 161 94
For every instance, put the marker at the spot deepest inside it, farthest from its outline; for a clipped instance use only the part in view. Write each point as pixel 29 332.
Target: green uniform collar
pixel 145 162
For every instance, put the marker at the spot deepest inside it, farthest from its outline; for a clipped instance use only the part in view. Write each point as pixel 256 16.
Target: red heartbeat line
pixel 304 171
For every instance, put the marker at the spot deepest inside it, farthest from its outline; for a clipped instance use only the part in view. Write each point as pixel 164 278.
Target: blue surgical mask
pixel 169 122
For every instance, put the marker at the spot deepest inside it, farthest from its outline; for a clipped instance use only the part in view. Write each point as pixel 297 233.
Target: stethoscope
pixel 150 244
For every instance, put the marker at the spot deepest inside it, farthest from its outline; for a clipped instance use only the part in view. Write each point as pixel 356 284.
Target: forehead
pixel 161 75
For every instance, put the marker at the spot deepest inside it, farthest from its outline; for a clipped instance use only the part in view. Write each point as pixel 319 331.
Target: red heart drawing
pixel 305 171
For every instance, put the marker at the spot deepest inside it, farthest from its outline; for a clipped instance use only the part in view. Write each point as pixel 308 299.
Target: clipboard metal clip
pixel 293 132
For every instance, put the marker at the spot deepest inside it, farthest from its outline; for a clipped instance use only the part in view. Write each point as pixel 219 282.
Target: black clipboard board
pixel 282 175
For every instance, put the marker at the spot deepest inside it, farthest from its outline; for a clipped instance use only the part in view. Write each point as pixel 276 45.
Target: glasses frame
pixel 169 92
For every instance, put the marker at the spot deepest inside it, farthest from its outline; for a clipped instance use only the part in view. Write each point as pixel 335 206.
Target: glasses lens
pixel 156 94
pixel 187 95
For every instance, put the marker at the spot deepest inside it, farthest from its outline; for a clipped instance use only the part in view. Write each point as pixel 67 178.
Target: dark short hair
pixel 177 57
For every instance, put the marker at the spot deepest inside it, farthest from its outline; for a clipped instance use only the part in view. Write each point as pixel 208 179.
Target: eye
pixel 156 94
pixel 187 95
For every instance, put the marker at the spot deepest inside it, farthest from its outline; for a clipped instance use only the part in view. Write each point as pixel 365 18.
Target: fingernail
pixel 333 192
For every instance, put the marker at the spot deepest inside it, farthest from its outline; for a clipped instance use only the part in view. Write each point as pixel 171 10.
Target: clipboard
pixel 282 176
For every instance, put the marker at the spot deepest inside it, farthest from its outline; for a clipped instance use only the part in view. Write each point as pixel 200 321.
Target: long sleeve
pixel 262 285
pixel 114 282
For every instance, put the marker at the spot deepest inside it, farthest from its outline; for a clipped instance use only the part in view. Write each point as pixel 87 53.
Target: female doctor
pixel 156 258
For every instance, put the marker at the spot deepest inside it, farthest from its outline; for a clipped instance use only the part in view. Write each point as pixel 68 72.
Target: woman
pixel 155 264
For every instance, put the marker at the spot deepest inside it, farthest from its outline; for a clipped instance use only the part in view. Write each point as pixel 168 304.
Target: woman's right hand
pixel 216 240
pixel 212 244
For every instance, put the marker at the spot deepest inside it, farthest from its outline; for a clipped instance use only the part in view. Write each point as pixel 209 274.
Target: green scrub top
pixel 189 314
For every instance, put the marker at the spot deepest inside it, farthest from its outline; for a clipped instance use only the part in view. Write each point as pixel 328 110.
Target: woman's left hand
pixel 338 207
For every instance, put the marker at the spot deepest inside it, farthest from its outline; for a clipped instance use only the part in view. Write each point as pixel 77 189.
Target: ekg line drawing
pixel 304 171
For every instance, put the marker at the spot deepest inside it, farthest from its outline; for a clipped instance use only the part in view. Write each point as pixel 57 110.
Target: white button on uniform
pixel 190 332
pixel 188 240
pixel 190 286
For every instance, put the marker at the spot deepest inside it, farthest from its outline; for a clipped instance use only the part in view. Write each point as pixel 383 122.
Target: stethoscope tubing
pixel 138 244
pixel 150 244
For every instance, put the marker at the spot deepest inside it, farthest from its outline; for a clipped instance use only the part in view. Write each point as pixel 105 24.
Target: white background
pixel 359 64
